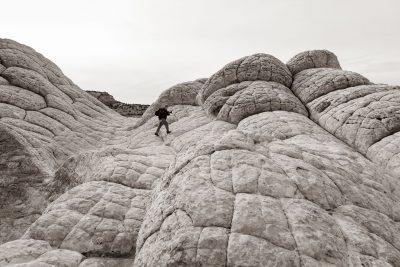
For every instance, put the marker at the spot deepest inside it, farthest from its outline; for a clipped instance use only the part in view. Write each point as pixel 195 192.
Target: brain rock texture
pixel 268 164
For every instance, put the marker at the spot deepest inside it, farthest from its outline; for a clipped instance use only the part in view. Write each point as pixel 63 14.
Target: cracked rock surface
pixel 237 101
pixel 267 165
pixel 313 59
pixel 256 67
pixel 364 115
pixel 94 218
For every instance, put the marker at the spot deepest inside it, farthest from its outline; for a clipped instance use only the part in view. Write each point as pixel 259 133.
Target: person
pixel 162 114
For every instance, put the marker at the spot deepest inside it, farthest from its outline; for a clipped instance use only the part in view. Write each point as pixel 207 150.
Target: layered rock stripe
pixel 129 110
pixel 269 164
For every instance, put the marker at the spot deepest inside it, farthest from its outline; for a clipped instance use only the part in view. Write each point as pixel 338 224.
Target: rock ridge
pixel 128 110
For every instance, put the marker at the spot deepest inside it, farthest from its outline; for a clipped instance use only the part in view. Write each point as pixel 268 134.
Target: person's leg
pixel 159 127
pixel 164 121
pixel 166 126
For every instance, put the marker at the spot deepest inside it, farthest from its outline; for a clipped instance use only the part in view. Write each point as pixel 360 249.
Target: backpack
pixel 157 113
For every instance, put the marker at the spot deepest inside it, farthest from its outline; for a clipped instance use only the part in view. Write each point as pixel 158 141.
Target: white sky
pixel 135 49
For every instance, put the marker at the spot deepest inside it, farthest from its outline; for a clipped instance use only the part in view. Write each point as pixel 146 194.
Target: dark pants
pixel 162 122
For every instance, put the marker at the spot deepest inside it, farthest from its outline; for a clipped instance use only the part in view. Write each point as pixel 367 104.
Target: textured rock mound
pixel 103 217
pixel 248 86
pixel 269 194
pixel 238 101
pixel 180 94
pixel 313 83
pixel 267 165
pixel 46 124
pixel 313 59
pixel 261 67
pixel 32 253
pixel 364 115
pixel 103 97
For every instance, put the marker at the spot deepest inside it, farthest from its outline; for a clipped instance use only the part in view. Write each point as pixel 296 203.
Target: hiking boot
pixel 156 134
pixel 168 132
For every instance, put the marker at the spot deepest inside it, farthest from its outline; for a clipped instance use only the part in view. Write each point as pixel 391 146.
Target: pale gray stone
pixel 54 258
pixel 354 110
pixel 313 59
pixel 21 98
pixel 313 83
pixel 33 81
pixel 41 128
pixel 248 250
pixel 20 251
pixel 180 94
pixel 11 111
pixel 3 81
pixel 95 218
pixel 251 68
pixel 33 253
pixel 316 233
pixel 11 57
pixel 301 162
pixel 256 97
pixel 386 153
pixel 361 115
pixel 106 262
pixel 244 179
pixel 2 68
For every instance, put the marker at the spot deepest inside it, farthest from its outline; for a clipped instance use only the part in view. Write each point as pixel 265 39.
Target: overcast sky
pixel 135 49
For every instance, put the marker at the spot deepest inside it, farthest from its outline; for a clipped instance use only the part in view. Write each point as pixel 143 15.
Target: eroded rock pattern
pixel 95 218
pixel 238 101
pixel 267 165
pixel 261 67
pixel 313 59
pixel 180 94
pixel 348 105
pixel 270 199
pixel 32 253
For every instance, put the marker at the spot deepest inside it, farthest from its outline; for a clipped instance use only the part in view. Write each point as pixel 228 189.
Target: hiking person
pixel 162 114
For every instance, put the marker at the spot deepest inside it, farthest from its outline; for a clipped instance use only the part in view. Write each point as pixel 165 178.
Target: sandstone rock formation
pixel 128 110
pixel 268 165
pixel 103 97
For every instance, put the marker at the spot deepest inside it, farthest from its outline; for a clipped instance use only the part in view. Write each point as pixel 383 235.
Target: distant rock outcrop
pixel 127 110
pixel 268 164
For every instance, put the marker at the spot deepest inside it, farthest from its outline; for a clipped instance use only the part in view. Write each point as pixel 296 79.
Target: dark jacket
pixel 162 113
